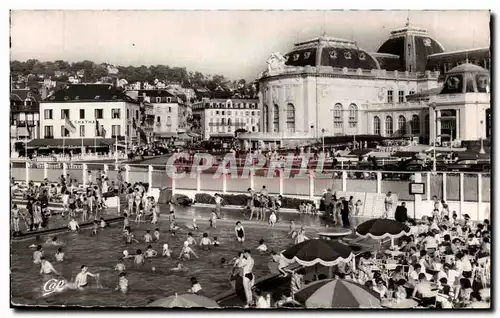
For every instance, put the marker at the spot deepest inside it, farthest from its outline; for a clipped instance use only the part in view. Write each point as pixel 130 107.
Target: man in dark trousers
pixel 345 213
pixel 328 202
pixel 401 213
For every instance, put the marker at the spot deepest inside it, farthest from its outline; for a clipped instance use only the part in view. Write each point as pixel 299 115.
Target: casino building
pixel 410 88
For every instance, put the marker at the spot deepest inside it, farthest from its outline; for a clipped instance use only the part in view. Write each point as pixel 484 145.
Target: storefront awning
pixel 71 143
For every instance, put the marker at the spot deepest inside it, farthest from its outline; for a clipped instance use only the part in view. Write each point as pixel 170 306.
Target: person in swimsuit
pixel 59 255
pixel 120 267
pixel 150 252
pixel 147 237
pixel 81 278
pixel 215 242
pixel 138 202
pixel 38 254
pixel 46 267
pixel 166 251
pixel 179 268
pixel 240 232
pixel 129 237
pixel 15 218
pixel 190 239
pixel 73 225
pixel 126 221
pixel 218 205
pixel 130 199
pixel 186 252
pixel 85 209
pixel 213 219
pixel 156 234
pixel 205 242
pixel 272 219
pixel 72 206
pixel 122 283
pixel 139 258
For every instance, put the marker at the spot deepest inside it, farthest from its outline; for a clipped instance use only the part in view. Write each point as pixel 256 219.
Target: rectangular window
pixel 64 132
pixel 128 113
pixel 229 113
pixel 158 99
pixel 216 112
pixel 82 130
pixel 98 113
pixel 253 113
pixel 246 113
pixel 48 115
pixel 223 121
pixel 64 113
pixel 82 113
pixel 48 131
pixel 222 112
pixel 401 96
pixel 168 100
pixel 115 113
pixel 389 96
pixel 128 130
pixel 115 131
pixel 169 109
pixel 412 92
pixel 158 119
pixel 136 114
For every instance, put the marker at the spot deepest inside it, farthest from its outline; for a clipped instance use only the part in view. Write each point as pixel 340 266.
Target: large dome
pixel 413 45
pixel 329 51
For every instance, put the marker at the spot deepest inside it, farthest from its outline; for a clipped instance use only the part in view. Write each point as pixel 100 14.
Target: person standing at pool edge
pixel 248 278
pixel 387 205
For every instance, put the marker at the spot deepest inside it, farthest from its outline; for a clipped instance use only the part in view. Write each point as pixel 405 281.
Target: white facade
pixel 219 117
pixel 115 117
pixel 166 118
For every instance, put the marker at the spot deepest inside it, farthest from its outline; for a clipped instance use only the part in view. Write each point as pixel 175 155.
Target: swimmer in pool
pixel 179 268
pixel 120 267
pixel 190 239
pixel 293 230
pixel 122 283
pixel 139 258
pixel 215 242
pixel 38 254
pixel 195 226
pixel 54 241
pixel 129 237
pixel 73 225
pixel 173 227
pixel 81 278
pixel 262 246
pixel 59 255
pixel 95 227
pixel 147 237
pixel 126 254
pixel 156 234
pixel 240 232
pixel 126 221
pixel 150 252
pixel 166 250
pixel 103 223
pixel 186 252
pixel 46 267
pixel 205 242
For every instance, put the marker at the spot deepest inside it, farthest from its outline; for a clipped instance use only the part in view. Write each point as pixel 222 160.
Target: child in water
pixel 156 234
pixel 195 226
pixel 186 252
pixel 120 267
pixel 95 227
pixel 150 252
pixel 103 223
pixel 147 237
pixel 166 250
pixel 179 268
pixel 173 227
pixel 129 237
pixel 293 230
pixel 190 239
pixel 215 242
pixel 59 255
pixel 126 221
pixel 262 246
pixel 122 283
pixel 272 219
pixel 139 258
pixel 205 242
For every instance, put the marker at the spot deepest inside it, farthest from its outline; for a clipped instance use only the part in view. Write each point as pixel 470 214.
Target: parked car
pixel 467 165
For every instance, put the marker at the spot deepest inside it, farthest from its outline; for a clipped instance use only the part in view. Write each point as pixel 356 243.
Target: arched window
pixel 353 116
pixel 290 118
pixel 415 125
pixel 265 119
pixel 402 125
pixel 337 116
pixel 376 126
pixel 388 126
pixel 276 119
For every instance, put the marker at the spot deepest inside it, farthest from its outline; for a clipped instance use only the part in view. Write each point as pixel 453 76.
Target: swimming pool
pixel 101 252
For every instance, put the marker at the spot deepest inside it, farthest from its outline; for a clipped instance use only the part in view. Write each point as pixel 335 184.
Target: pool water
pixel 101 252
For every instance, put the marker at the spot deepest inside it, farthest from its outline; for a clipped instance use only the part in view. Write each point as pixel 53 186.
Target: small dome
pixel 334 52
pixel 467 68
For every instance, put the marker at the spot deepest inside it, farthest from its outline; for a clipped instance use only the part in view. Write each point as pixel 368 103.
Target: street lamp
pixel 323 139
pixel 433 106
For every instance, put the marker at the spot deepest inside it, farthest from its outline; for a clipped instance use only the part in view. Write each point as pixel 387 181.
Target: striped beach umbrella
pixel 337 293
pixel 382 228
pixel 184 301
pixel 319 251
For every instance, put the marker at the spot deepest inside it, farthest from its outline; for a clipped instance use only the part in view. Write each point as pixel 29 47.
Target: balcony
pixel 226 125
pixel 274 136
pixel 23 123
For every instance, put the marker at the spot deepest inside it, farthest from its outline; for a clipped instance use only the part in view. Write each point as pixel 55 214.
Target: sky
pixel 235 44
